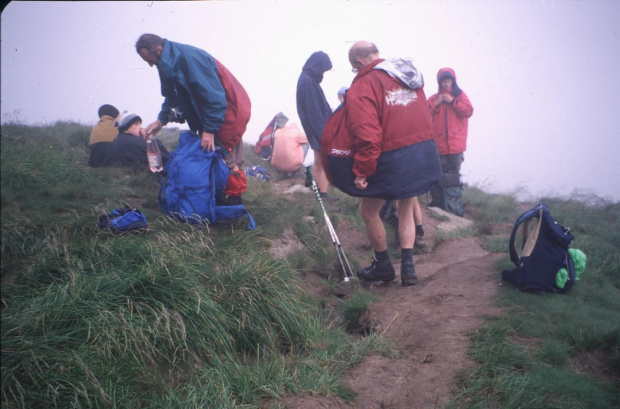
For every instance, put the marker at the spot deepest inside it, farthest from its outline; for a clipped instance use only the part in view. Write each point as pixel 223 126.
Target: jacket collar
pixel 169 59
pixel 364 71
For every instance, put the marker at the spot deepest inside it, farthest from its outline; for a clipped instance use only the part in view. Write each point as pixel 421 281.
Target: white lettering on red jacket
pixel 400 96
pixel 340 152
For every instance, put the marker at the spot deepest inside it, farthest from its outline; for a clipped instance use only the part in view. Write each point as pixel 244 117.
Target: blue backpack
pixel 126 220
pixel 544 253
pixel 195 177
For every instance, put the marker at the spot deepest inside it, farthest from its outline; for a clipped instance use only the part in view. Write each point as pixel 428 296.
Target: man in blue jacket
pixel 313 111
pixel 200 90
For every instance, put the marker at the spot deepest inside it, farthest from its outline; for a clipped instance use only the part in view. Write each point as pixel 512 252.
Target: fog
pixel 542 75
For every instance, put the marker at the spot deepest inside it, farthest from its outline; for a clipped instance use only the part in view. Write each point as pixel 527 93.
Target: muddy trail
pixel 427 323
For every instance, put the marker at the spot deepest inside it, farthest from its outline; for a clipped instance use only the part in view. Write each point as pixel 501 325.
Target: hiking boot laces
pixel 377 271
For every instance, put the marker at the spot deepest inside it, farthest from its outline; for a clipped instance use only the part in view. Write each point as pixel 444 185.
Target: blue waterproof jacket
pixel 189 81
pixel 312 106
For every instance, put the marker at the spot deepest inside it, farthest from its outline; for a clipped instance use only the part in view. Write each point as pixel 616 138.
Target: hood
pixel 316 65
pixel 445 72
pixel 448 72
pixel 402 69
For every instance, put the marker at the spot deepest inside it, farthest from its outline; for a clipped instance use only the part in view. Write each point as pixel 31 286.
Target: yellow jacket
pixel 104 131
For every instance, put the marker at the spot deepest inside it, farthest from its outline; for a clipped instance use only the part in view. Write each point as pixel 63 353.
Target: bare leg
pixel 381 268
pixel 417 211
pixel 406 226
pixel 319 173
pixel 369 211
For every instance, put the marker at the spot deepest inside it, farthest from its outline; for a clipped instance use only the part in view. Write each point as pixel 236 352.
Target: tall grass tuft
pixel 355 306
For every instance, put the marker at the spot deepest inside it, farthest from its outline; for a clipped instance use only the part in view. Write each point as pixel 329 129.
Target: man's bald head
pixel 364 52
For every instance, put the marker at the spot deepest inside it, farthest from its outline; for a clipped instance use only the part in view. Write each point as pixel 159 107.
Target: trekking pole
pixel 342 257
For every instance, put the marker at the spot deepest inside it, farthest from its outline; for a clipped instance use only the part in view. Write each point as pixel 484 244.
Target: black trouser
pixel 451 168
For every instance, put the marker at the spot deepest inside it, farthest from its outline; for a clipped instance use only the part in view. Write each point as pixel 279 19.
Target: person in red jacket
pixel 379 146
pixel 450 110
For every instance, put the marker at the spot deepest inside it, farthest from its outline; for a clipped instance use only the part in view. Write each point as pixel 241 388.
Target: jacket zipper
pixel 446 129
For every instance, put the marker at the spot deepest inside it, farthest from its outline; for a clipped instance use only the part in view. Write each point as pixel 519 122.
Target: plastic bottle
pixel 153 155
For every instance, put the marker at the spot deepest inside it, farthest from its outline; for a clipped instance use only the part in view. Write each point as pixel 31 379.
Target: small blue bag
pixel 126 220
pixel 258 172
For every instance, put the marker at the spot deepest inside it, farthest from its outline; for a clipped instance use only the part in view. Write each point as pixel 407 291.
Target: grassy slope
pixel 527 357
pixel 188 317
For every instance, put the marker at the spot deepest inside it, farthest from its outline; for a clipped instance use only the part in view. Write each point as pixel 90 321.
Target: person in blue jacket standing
pixel 313 111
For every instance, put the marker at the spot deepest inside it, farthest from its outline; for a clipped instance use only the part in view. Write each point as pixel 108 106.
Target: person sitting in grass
pixel 102 137
pixel 130 145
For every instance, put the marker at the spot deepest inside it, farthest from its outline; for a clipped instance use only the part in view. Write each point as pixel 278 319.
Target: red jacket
pixel 382 114
pixel 450 121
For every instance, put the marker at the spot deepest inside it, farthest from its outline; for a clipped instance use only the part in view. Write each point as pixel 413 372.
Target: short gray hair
pixel 150 42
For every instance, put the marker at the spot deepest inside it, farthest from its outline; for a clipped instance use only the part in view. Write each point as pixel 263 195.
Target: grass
pixel 206 317
pixel 181 317
pixel 525 357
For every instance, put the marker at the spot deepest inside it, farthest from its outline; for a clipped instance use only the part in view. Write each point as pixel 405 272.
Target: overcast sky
pixel 543 76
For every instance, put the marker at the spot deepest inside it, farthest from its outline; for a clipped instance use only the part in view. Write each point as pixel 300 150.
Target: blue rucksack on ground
pixel 126 220
pixel 194 179
pixel 258 172
pixel 544 253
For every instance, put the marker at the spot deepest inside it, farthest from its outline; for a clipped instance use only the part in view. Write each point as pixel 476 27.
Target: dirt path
pixel 427 323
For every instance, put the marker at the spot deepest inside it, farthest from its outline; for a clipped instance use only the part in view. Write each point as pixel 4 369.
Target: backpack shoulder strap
pixel 536 211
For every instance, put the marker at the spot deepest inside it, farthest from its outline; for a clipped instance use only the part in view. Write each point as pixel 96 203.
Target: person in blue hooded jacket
pixel 313 111
pixel 202 91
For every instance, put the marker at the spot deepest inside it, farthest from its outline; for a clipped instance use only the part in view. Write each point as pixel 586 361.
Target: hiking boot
pixel 377 271
pixel 407 274
pixel 419 243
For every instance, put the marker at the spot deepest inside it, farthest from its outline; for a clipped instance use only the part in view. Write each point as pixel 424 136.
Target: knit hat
pixel 126 120
pixel 108 110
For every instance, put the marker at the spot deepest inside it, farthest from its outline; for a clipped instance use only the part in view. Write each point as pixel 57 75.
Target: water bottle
pixel 153 154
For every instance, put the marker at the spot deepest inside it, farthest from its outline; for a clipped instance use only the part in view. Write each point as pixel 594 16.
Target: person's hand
pixel 361 183
pixel 448 98
pixel 143 134
pixel 439 99
pixel 154 128
pixel 208 141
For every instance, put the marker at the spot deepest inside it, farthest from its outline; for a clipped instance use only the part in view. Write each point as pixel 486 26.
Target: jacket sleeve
pixel 363 117
pixel 431 106
pixel 462 107
pixel 206 89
